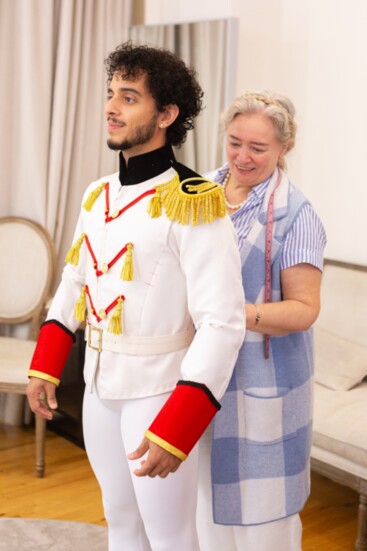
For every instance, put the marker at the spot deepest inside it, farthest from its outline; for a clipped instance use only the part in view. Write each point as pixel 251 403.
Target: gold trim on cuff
pixel 44 376
pixel 165 445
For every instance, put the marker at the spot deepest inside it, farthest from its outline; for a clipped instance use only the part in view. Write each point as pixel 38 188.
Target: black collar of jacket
pixel 148 165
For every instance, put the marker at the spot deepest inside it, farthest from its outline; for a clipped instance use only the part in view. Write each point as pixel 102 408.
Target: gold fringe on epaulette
pixel 79 309
pixel 203 206
pixel 127 272
pixel 73 254
pixel 93 196
pixel 155 204
pixel 115 323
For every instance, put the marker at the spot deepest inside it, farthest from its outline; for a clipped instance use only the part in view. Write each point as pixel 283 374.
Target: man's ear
pixel 168 115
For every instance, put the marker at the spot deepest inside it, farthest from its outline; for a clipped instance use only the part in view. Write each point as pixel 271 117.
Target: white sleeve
pixel 69 289
pixel 210 261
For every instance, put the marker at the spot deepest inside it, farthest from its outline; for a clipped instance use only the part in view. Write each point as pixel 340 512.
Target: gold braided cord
pixel 203 205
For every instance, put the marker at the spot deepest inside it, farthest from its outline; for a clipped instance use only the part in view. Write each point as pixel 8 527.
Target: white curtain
pixel 52 95
pixel 53 88
pixel 204 46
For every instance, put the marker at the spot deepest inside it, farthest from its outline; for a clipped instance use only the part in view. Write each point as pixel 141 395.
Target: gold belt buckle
pixel 99 331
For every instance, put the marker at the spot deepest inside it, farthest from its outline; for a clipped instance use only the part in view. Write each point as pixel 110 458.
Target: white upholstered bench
pixel 339 449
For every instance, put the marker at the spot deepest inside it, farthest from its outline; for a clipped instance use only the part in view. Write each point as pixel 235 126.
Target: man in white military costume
pixel 154 273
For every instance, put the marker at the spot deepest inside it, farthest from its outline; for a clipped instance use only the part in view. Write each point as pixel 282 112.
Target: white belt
pixel 99 339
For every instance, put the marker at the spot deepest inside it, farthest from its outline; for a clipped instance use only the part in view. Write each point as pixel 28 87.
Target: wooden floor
pixel 69 492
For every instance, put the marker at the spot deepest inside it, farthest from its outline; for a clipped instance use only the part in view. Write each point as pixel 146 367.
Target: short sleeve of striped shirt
pixel 305 241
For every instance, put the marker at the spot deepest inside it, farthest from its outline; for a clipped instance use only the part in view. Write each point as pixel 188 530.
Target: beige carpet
pixel 51 535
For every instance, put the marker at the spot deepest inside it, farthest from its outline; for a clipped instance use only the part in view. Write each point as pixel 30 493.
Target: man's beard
pixel 139 136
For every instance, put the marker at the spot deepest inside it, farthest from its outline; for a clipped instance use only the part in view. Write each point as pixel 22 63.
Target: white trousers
pixel 143 514
pixel 280 535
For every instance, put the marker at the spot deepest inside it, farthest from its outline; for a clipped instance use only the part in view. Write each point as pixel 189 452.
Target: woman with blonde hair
pixel 261 439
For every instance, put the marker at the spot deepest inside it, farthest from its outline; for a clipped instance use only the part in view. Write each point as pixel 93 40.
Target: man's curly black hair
pixel 167 79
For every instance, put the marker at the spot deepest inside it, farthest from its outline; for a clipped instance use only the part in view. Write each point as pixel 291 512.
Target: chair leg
pixel 361 542
pixel 40 445
pixel 27 414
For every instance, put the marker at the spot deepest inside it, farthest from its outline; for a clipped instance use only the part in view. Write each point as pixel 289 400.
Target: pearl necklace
pixel 228 204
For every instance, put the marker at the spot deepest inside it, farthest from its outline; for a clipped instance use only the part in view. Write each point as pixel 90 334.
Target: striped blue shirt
pixel 305 242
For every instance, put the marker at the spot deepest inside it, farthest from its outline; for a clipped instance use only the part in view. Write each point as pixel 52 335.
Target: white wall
pixel 315 51
pixel 162 12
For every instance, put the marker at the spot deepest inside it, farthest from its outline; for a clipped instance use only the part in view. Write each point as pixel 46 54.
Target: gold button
pixel 115 214
pixel 102 313
pixel 104 267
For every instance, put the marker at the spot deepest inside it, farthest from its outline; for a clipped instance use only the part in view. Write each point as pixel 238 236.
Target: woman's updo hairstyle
pixel 279 109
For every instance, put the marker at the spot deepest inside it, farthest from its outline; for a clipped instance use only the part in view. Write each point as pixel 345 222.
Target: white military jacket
pixel 186 281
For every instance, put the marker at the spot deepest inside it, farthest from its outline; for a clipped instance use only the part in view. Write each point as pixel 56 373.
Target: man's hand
pixel 159 461
pixel 41 397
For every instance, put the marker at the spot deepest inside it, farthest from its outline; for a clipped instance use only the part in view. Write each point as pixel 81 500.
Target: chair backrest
pixel 343 301
pixel 27 267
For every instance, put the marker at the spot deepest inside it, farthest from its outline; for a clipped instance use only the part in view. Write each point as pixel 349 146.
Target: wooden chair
pixel 26 273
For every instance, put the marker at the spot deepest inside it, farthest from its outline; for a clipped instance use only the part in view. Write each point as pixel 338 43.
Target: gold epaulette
pixel 192 201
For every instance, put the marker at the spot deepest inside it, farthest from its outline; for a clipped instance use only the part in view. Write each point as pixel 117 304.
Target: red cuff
pixel 52 350
pixel 183 418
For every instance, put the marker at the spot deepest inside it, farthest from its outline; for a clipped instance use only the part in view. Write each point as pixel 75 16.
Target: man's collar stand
pixel 146 166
